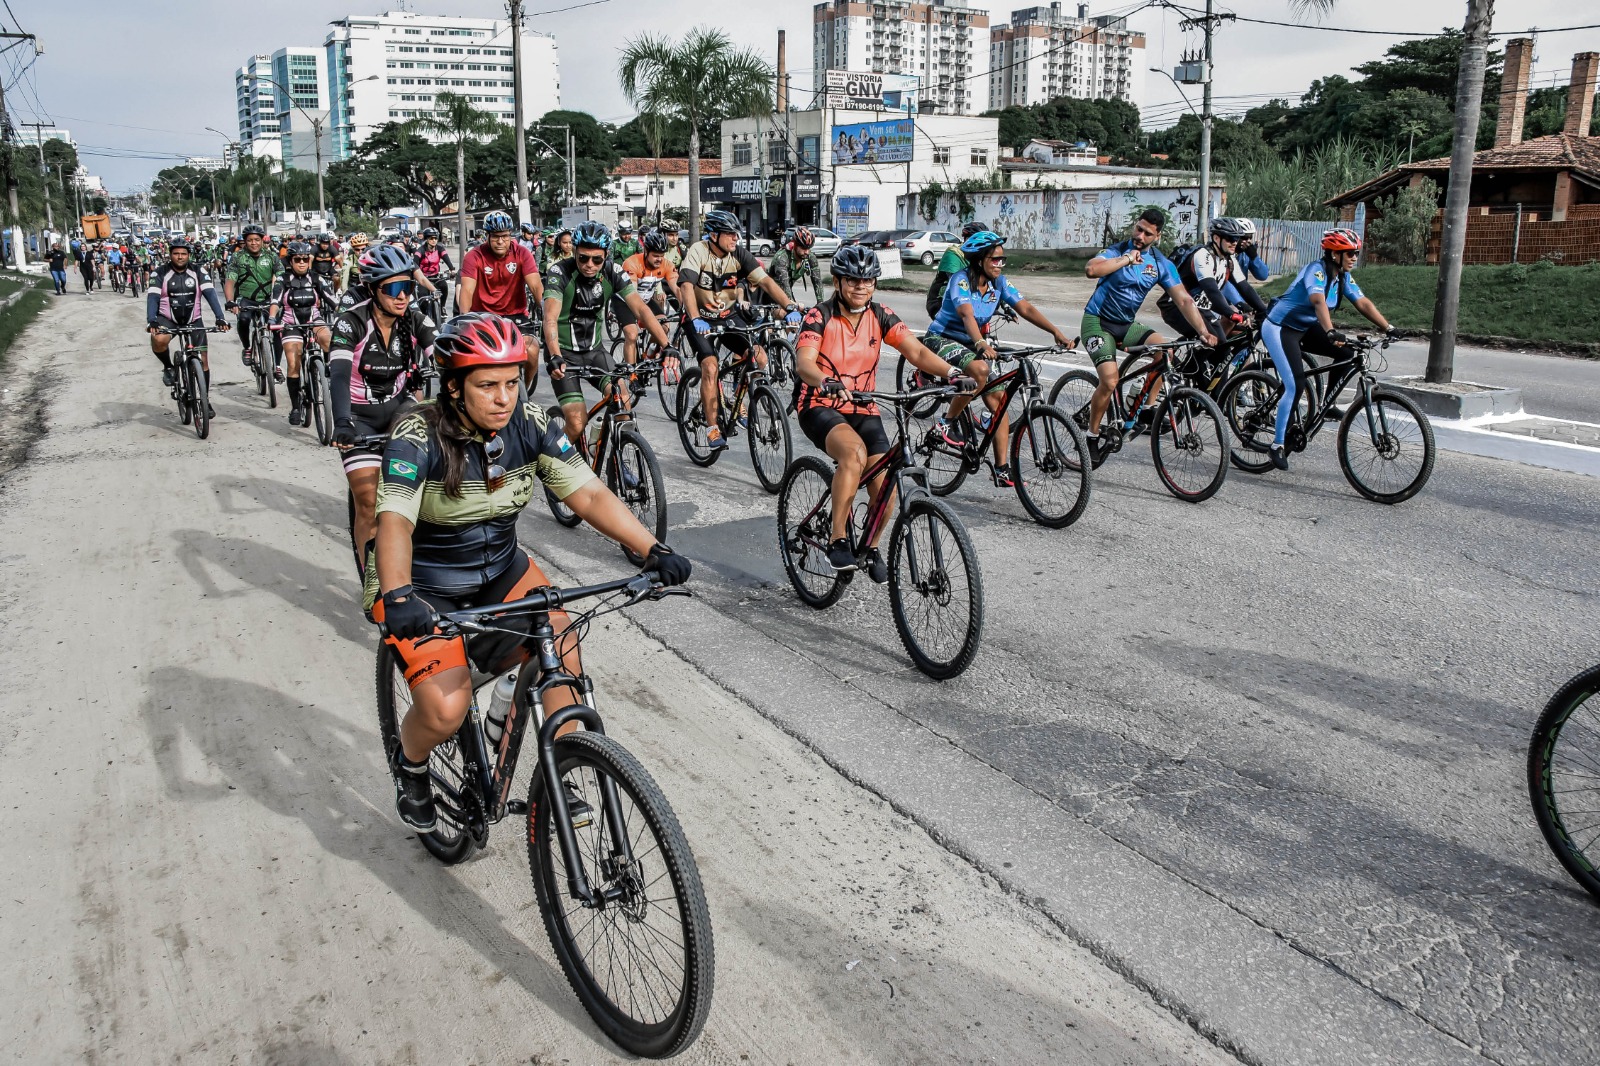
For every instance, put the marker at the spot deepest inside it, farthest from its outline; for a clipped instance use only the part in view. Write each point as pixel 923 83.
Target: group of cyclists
pixel 437 484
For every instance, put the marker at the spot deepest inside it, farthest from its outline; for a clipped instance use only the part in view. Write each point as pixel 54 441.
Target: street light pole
pixel 524 208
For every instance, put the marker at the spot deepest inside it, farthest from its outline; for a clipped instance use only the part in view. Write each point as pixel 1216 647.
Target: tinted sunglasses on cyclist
pixel 299 259
pixel 601 258
pixel 398 288
pixel 495 475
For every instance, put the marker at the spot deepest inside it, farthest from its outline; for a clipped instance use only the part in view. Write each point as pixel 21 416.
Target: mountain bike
pixel 747 400
pixel 318 385
pixel 615 449
pixel 935 586
pixel 260 354
pixel 1050 461
pixel 1385 442
pixel 655 373
pixel 1564 777
pixel 613 875
pixel 190 393
pixel 782 358
pixel 1187 441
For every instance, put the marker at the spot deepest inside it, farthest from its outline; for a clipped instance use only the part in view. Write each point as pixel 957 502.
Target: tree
pixel 456 118
pixel 354 187
pixel 650 135
pixel 701 79
pixel 1398 231
pixel 1409 119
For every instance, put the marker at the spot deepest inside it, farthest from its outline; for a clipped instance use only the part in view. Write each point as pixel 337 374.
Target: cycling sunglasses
pixel 396 289
pixel 495 475
pixel 601 258
pixel 299 259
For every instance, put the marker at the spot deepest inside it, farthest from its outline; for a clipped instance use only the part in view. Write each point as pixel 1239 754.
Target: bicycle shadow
pixel 121 412
pixel 310 591
pixel 303 764
pixel 324 512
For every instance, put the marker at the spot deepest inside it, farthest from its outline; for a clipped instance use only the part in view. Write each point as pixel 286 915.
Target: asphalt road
pixel 1261 757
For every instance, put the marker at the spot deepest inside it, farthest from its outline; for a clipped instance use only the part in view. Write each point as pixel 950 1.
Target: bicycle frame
pixel 1339 373
pixel 1024 377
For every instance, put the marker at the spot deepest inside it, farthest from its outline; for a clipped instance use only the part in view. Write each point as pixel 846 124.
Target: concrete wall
pixel 1042 219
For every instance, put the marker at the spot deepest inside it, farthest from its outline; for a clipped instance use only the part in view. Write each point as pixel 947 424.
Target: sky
pixel 101 75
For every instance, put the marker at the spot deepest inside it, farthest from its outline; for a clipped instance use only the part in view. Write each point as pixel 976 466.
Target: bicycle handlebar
pixel 208 329
pixel 641 586
pixel 901 399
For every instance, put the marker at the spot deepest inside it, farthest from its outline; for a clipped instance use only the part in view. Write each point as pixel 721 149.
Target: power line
pixel 1399 33
pixel 558 10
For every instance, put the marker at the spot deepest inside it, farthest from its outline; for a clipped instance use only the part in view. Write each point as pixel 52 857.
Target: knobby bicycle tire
pixel 667 391
pixel 937 582
pixel 1054 485
pixel 1249 406
pixel 803 540
pixel 1188 426
pixel 648 499
pixel 449 843
pixel 199 397
pixel 692 427
pixel 320 401
pixel 560 511
pixel 653 1025
pixel 1071 394
pixel 782 374
pixel 771 446
pixel 1557 777
pixel 1394 442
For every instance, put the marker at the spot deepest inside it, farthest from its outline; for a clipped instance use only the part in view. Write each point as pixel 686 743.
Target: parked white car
pixel 927 245
pixel 824 243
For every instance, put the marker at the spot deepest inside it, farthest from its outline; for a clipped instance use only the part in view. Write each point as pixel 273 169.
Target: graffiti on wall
pixel 1063 218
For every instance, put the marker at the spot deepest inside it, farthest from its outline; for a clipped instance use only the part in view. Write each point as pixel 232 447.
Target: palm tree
pixel 456 118
pixel 702 78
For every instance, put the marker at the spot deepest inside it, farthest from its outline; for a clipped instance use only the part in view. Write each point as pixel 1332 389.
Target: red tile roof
pixel 1559 151
pixel 645 167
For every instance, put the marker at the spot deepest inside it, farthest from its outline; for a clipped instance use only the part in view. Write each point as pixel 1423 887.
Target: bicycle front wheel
pixel 771 447
pixel 1386 447
pixel 641 959
pixel 1050 467
pixel 199 396
pixel 450 841
pixel 1071 395
pixel 667 391
pixel 805 522
pixel 1563 779
pixel 1249 406
pixel 1189 445
pixel 635 476
pixel 320 403
pixel 935 588
pixel 693 430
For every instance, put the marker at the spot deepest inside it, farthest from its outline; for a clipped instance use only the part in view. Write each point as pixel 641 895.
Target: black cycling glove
pixel 344 432
pixel 407 615
pixel 673 568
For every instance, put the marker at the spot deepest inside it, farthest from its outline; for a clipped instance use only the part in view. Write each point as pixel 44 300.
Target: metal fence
pixel 1287 245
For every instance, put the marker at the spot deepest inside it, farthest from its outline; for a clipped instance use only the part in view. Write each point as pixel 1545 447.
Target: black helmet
pixel 178 243
pixel 385 262
pixel 429 233
pixel 299 248
pixel 722 222
pixel 324 237
pixel 972 228
pixel 652 240
pixel 854 261
pixel 592 234
pixel 253 230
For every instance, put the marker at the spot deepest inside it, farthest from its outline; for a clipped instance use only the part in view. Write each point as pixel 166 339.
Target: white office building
pixel 302 105
pixel 391 67
pixel 944 44
pixel 1045 52
pixel 31 136
pixel 257 102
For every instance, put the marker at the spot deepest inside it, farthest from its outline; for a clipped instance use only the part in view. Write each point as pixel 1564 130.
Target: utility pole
pixel 1208 25
pixel 44 173
pixel 1458 195
pixel 11 178
pixel 524 208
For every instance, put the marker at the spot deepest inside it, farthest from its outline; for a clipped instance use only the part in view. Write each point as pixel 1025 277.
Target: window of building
pixel 980 157
pixel 777 153
pixel 473 51
pixel 741 154
pixel 417 32
pixel 941 156
pixel 809 147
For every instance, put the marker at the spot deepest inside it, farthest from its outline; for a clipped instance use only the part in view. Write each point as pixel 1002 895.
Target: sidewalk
pixel 1553 443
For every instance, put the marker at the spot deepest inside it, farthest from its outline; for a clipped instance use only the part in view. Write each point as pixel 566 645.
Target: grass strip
pixel 19 315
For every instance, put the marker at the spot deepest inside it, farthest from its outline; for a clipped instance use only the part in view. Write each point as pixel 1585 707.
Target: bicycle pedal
pixel 517 806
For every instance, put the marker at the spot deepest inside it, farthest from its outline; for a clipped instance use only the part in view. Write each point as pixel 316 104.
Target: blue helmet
pixel 981 242
pixel 385 262
pixel 592 234
pixel 498 222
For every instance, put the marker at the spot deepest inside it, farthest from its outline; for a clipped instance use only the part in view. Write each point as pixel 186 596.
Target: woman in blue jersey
pixel 1307 308
pixel 956 335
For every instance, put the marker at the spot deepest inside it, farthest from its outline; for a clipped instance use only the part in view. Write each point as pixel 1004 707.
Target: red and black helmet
pixel 479 338
pixel 803 239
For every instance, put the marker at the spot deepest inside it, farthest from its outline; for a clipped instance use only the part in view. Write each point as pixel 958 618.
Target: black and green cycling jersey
pixel 253 275
pixel 578 302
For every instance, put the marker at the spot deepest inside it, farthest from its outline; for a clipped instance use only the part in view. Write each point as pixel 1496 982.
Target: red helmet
pixel 1341 240
pixel 480 338
pixel 803 239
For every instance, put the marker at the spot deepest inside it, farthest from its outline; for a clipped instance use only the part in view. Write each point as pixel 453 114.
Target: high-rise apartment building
pixel 1045 52
pixel 257 101
pixel 303 105
pixel 943 43
pixel 391 67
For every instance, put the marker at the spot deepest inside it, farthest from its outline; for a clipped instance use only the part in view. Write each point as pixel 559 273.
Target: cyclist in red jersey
pixel 498 276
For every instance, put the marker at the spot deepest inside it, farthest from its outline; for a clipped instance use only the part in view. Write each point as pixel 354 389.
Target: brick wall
pixel 1492 236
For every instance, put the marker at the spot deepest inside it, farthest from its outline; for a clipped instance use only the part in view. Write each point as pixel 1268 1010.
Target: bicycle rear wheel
pixel 1050 466
pixel 1189 445
pixel 635 476
pixel 1249 406
pixel 908 378
pixel 692 427
pixel 199 398
pixel 1564 777
pixel 771 447
pixel 781 373
pixel 805 517
pixel 935 588
pixel 450 841
pixel 1386 450
pixel 641 961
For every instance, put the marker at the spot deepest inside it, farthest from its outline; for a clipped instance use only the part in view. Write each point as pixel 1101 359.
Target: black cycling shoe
pixel 413 796
pixel 581 813
pixel 297 417
pixel 169 376
pixel 1279 459
pixel 211 412
pixel 1334 414
pixel 839 556
pixel 877 569
pixel 1002 477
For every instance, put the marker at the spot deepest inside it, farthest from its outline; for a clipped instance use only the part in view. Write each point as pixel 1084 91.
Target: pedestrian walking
pixel 58 268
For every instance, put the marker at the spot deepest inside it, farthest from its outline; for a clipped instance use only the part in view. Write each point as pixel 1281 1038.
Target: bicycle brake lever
pixel 661 592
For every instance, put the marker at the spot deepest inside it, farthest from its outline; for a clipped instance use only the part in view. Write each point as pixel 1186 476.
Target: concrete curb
pixel 1477 437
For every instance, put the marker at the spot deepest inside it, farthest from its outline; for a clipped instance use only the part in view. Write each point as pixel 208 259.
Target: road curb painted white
pixel 1474 437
